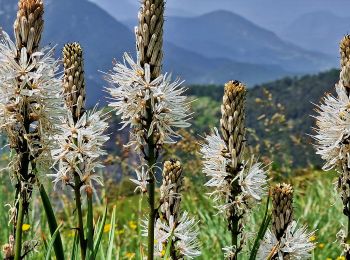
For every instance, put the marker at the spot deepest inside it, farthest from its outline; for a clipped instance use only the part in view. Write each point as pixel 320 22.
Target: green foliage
pixel 51 220
pixel 316 204
pixel 262 231
pixel 52 242
pixel 206 114
pixel 296 96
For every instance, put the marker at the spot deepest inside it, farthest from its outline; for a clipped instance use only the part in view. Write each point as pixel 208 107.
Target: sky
pixel 271 14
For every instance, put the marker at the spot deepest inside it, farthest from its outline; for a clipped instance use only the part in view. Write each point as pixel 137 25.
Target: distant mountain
pixel 104 38
pixel 198 69
pixel 222 34
pixel 119 9
pixel 127 9
pixel 318 31
pixel 7 14
pixel 271 14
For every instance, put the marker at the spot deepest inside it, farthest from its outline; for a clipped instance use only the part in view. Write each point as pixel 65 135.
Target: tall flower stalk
pixel 236 182
pixel 79 142
pixel 148 101
pixel 174 230
pixel 332 135
pixel 149 42
pixel 286 240
pixel 30 103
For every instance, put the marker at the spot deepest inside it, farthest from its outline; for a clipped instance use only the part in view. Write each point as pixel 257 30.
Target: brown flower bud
pixel 232 120
pixel 282 212
pixel 345 61
pixel 170 190
pixel 29 24
pixel 149 35
pixel 74 81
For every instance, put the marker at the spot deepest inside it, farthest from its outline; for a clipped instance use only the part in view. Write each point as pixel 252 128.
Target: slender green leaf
pixel 168 248
pixel 51 220
pixel 52 242
pixel 99 234
pixel 75 246
pixel 90 227
pixel 111 237
pixel 45 243
pixel 262 230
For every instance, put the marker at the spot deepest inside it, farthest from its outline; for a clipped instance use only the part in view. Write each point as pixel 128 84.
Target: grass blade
pixel 263 227
pixel 51 220
pixel 90 227
pixel 52 241
pixel 99 234
pixel 111 237
pixel 75 246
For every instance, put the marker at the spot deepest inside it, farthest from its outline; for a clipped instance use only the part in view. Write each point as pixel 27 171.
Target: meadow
pixel 315 203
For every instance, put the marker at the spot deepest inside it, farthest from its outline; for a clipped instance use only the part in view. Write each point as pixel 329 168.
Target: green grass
pixel 316 204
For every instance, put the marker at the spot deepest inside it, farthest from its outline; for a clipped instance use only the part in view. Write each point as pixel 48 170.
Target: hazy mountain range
pixel 320 31
pixel 227 35
pixel 271 14
pixel 208 48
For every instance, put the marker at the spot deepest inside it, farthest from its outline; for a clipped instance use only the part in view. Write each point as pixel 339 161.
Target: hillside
pixel 102 37
pixel 298 96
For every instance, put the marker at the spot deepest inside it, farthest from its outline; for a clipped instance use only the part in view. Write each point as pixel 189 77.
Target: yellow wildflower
pixel 107 228
pixel 132 225
pixel 25 227
pixel 341 258
pixel 312 238
pixel 321 245
pixel 130 255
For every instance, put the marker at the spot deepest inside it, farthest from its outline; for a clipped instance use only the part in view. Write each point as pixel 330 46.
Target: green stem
pixel 22 189
pixel 234 232
pixel 151 160
pixel 90 225
pixel 152 211
pixel 80 216
pixel 234 220
pixel 18 242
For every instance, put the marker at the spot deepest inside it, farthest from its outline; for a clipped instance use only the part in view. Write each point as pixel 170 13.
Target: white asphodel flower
pixel 80 146
pixel 295 243
pixel 133 92
pixel 253 180
pixel 142 180
pixel 187 233
pixel 32 82
pixel 333 128
pixel 214 164
pixel 183 233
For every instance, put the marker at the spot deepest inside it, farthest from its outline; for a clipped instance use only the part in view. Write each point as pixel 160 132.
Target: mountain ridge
pixel 241 40
pixel 323 27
